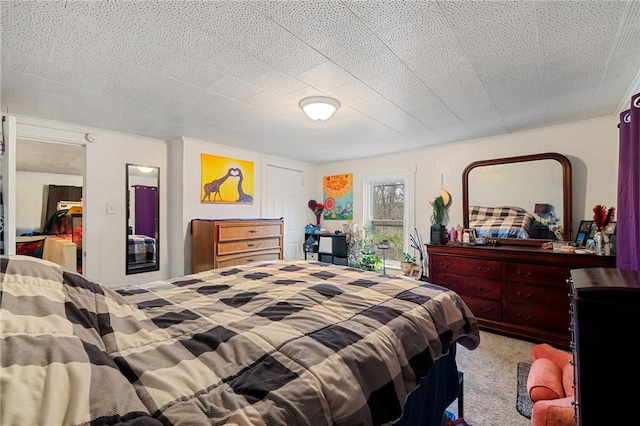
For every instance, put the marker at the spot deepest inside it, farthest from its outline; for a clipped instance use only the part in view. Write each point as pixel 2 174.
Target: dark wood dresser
pixel 605 304
pixel 229 242
pixel 518 290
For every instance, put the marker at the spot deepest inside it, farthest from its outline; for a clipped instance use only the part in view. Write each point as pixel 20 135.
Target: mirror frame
pixel 566 192
pixel 156 266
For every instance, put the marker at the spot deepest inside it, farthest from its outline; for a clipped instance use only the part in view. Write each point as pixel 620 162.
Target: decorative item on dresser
pixel 604 312
pixel 228 242
pixel 516 290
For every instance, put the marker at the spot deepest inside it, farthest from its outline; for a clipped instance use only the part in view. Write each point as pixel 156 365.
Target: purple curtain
pixel 628 214
pixel 146 210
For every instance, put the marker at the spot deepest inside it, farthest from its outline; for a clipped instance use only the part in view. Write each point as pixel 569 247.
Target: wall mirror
pixel 539 184
pixel 142 228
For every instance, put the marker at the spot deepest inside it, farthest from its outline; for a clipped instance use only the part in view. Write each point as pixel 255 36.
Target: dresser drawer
pixel 229 247
pixel 535 317
pixel 237 231
pixel 475 287
pixel 232 260
pixel 544 297
pixel 482 308
pixel 550 275
pixel 466 267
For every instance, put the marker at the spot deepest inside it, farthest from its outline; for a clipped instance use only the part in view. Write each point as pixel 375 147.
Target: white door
pixel 284 199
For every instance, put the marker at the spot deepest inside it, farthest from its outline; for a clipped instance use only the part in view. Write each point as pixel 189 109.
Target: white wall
pixel 186 168
pixel 591 146
pixel 30 197
pixel 105 235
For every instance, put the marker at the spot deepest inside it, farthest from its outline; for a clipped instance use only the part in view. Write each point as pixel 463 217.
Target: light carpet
pixel 490 378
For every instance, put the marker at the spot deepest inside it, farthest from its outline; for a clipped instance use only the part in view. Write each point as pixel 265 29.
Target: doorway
pixel 284 199
pixel 49 193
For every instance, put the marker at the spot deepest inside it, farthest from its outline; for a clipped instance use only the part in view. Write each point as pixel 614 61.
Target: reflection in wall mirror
pixel 539 184
pixel 143 206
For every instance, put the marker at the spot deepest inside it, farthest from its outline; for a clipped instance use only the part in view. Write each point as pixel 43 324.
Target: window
pixel 387 212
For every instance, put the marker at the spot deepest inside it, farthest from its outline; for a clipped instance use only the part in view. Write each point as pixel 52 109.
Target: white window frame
pixel 369 182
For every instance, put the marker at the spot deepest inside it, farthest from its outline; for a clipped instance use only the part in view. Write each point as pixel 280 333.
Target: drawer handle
pixel 522 274
pixel 528 318
pixel 253 231
pixel 251 259
pixel 485 290
pixel 445 265
pixel 485 270
pixel 251 244
pixel 527 296
pixel 485 310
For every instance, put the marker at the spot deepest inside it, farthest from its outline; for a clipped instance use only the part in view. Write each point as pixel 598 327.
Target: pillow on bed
pixel 55 367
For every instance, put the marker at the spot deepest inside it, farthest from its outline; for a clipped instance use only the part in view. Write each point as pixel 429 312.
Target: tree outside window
pixel 387 214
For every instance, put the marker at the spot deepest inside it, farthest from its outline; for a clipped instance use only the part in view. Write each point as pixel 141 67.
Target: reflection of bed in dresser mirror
pixel 522 182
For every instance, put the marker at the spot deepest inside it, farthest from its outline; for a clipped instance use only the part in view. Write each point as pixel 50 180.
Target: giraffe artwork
pixel 242 197
pixel 213 187
pixel 226 180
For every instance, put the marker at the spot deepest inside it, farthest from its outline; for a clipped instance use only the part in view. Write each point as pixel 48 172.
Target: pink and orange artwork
pixel 226 180
pixel 338 197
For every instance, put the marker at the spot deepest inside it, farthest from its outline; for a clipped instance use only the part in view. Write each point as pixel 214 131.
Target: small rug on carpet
pixel 524 405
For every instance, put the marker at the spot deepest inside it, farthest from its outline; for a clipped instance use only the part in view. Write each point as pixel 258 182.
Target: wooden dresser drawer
pixel 228 242
pixel 475 287
pixel 550 275
pixel 230 247
pixel 244 258
pixel 544 297
pixel 482 308
pixel 465 266
pixel 237 231
pixel 535 317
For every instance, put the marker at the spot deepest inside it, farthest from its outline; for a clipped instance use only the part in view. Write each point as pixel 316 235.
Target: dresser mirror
pixel 539 184
pixel 143 206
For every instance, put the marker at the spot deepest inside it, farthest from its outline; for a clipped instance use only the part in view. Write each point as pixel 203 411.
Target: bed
pixel 502 222
pixel 277 343
pixel 141 250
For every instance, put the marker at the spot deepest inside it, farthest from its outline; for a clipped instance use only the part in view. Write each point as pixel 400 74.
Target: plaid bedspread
pixel 501 222
pixel 277 343
pixel 141 249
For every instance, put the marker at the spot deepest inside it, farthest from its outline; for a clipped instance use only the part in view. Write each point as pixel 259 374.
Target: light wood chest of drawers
pixel 229 242
pixel 517 290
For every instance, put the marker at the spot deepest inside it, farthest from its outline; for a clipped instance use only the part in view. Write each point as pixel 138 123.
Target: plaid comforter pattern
pixel 273 343
pixel 141 249
pixel 501 222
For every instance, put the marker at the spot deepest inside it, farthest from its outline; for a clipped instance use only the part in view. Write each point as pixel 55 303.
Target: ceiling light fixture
pixel 145 170
pixel 319 108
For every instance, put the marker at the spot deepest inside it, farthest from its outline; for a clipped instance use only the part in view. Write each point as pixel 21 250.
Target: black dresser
pixel 605 312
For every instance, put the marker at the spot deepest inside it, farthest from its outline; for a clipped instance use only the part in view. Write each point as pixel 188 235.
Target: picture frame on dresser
pixel 584 233
pixel 415 272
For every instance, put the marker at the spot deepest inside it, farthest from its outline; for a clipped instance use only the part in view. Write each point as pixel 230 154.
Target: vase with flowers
pixel 602 218
pixel 317 209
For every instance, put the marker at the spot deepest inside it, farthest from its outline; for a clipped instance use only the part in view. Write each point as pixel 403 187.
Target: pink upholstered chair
pixel 550 387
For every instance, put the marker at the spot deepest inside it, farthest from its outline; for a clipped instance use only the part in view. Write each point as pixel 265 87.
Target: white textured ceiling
pixel 408 74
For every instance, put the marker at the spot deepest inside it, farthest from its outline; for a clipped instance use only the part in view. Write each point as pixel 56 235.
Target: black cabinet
pixel 605 303
pixel 329 248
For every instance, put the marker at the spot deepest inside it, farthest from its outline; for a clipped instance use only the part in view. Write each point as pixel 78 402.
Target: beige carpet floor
pixel 490 380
